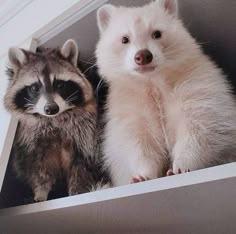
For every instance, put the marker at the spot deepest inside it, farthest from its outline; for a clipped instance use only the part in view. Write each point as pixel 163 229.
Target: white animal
pixel 169 105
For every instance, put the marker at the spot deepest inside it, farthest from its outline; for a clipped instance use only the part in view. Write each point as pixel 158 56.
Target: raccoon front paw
pixel 72 191
pixel 139 179
pixel 40 196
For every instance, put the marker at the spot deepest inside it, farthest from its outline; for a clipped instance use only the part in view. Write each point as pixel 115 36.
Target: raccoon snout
pixel 143 57
pixel 51 108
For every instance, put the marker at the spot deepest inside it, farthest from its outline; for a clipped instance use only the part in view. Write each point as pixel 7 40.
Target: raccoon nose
pixel 143 57
pixel 51 109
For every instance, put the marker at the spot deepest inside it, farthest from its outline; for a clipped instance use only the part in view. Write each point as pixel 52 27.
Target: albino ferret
pixel 167 103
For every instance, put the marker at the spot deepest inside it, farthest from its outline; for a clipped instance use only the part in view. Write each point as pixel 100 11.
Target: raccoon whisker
pixel 28 100
pixel 71 96
pixel 93 57
pixel 98 87
pixel 28 105
pixel 73 99
pixel 94 65
pixel 87 62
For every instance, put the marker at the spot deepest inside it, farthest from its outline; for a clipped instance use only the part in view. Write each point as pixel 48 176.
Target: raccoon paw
pixel 40 196
pixel 139 179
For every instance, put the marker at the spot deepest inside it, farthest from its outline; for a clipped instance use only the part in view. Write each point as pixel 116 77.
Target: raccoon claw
pixel 179 171
pixel 139 179
pixel 40 197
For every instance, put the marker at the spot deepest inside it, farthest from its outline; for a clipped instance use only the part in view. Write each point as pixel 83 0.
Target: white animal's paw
pixel 170 172
pixel 40 196
pixel 138 179
pixel 179 167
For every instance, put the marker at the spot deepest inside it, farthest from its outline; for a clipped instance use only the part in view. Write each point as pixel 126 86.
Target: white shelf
pixel 197 202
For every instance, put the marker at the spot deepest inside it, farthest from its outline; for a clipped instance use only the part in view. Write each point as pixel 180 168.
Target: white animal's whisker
pixel 171 46
pixel 115 63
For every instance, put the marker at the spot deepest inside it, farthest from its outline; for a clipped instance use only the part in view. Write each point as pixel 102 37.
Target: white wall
pixel 4 117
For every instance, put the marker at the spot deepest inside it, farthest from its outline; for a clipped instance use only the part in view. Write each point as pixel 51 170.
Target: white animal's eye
pixel 156 35
pixel 125 40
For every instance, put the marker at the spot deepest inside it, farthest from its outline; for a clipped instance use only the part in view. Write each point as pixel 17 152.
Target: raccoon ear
pixel 170 6
pixel 70 51
pixel 104 15
pixel 17 58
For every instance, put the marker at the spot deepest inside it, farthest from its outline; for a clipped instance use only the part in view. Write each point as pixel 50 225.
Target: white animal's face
pixel 138 41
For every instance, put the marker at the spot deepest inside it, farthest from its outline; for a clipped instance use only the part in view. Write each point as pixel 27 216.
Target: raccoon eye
pixel 156 35
pixel 60 85
pixel 34 88
pixel 125 40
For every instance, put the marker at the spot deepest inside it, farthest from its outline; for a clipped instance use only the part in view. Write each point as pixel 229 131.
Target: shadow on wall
pixel 213 24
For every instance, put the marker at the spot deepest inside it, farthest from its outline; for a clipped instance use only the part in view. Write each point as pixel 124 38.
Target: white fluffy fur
pixel 183 112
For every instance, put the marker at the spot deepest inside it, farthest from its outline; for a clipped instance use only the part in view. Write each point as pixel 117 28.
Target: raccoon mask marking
pixel 45 83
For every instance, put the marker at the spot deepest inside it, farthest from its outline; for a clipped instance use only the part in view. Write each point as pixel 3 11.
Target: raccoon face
pixel 49 97
pixel 46 83
pixel 138 41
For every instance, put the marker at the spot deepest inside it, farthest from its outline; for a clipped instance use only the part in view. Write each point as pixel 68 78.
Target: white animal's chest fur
pixel 137 135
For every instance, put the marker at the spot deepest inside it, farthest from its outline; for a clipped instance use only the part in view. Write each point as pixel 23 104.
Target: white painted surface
pixel 197 202
pixel 33 17
pixel 10 8
pixel 4 116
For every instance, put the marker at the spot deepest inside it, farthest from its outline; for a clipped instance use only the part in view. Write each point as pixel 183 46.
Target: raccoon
pixel 169 106
pixel 57 134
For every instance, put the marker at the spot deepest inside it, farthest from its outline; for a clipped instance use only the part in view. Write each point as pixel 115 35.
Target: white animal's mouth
pixel 145 69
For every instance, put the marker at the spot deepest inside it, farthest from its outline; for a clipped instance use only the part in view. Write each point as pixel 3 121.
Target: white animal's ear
pixel 170 6
pixel 70 51
pixel 104 14
pixel 17 58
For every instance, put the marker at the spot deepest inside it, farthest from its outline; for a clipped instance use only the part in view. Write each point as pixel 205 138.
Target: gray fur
pixel 48 148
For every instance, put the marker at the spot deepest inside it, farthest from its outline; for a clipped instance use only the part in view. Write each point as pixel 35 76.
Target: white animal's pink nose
pixel 143 57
